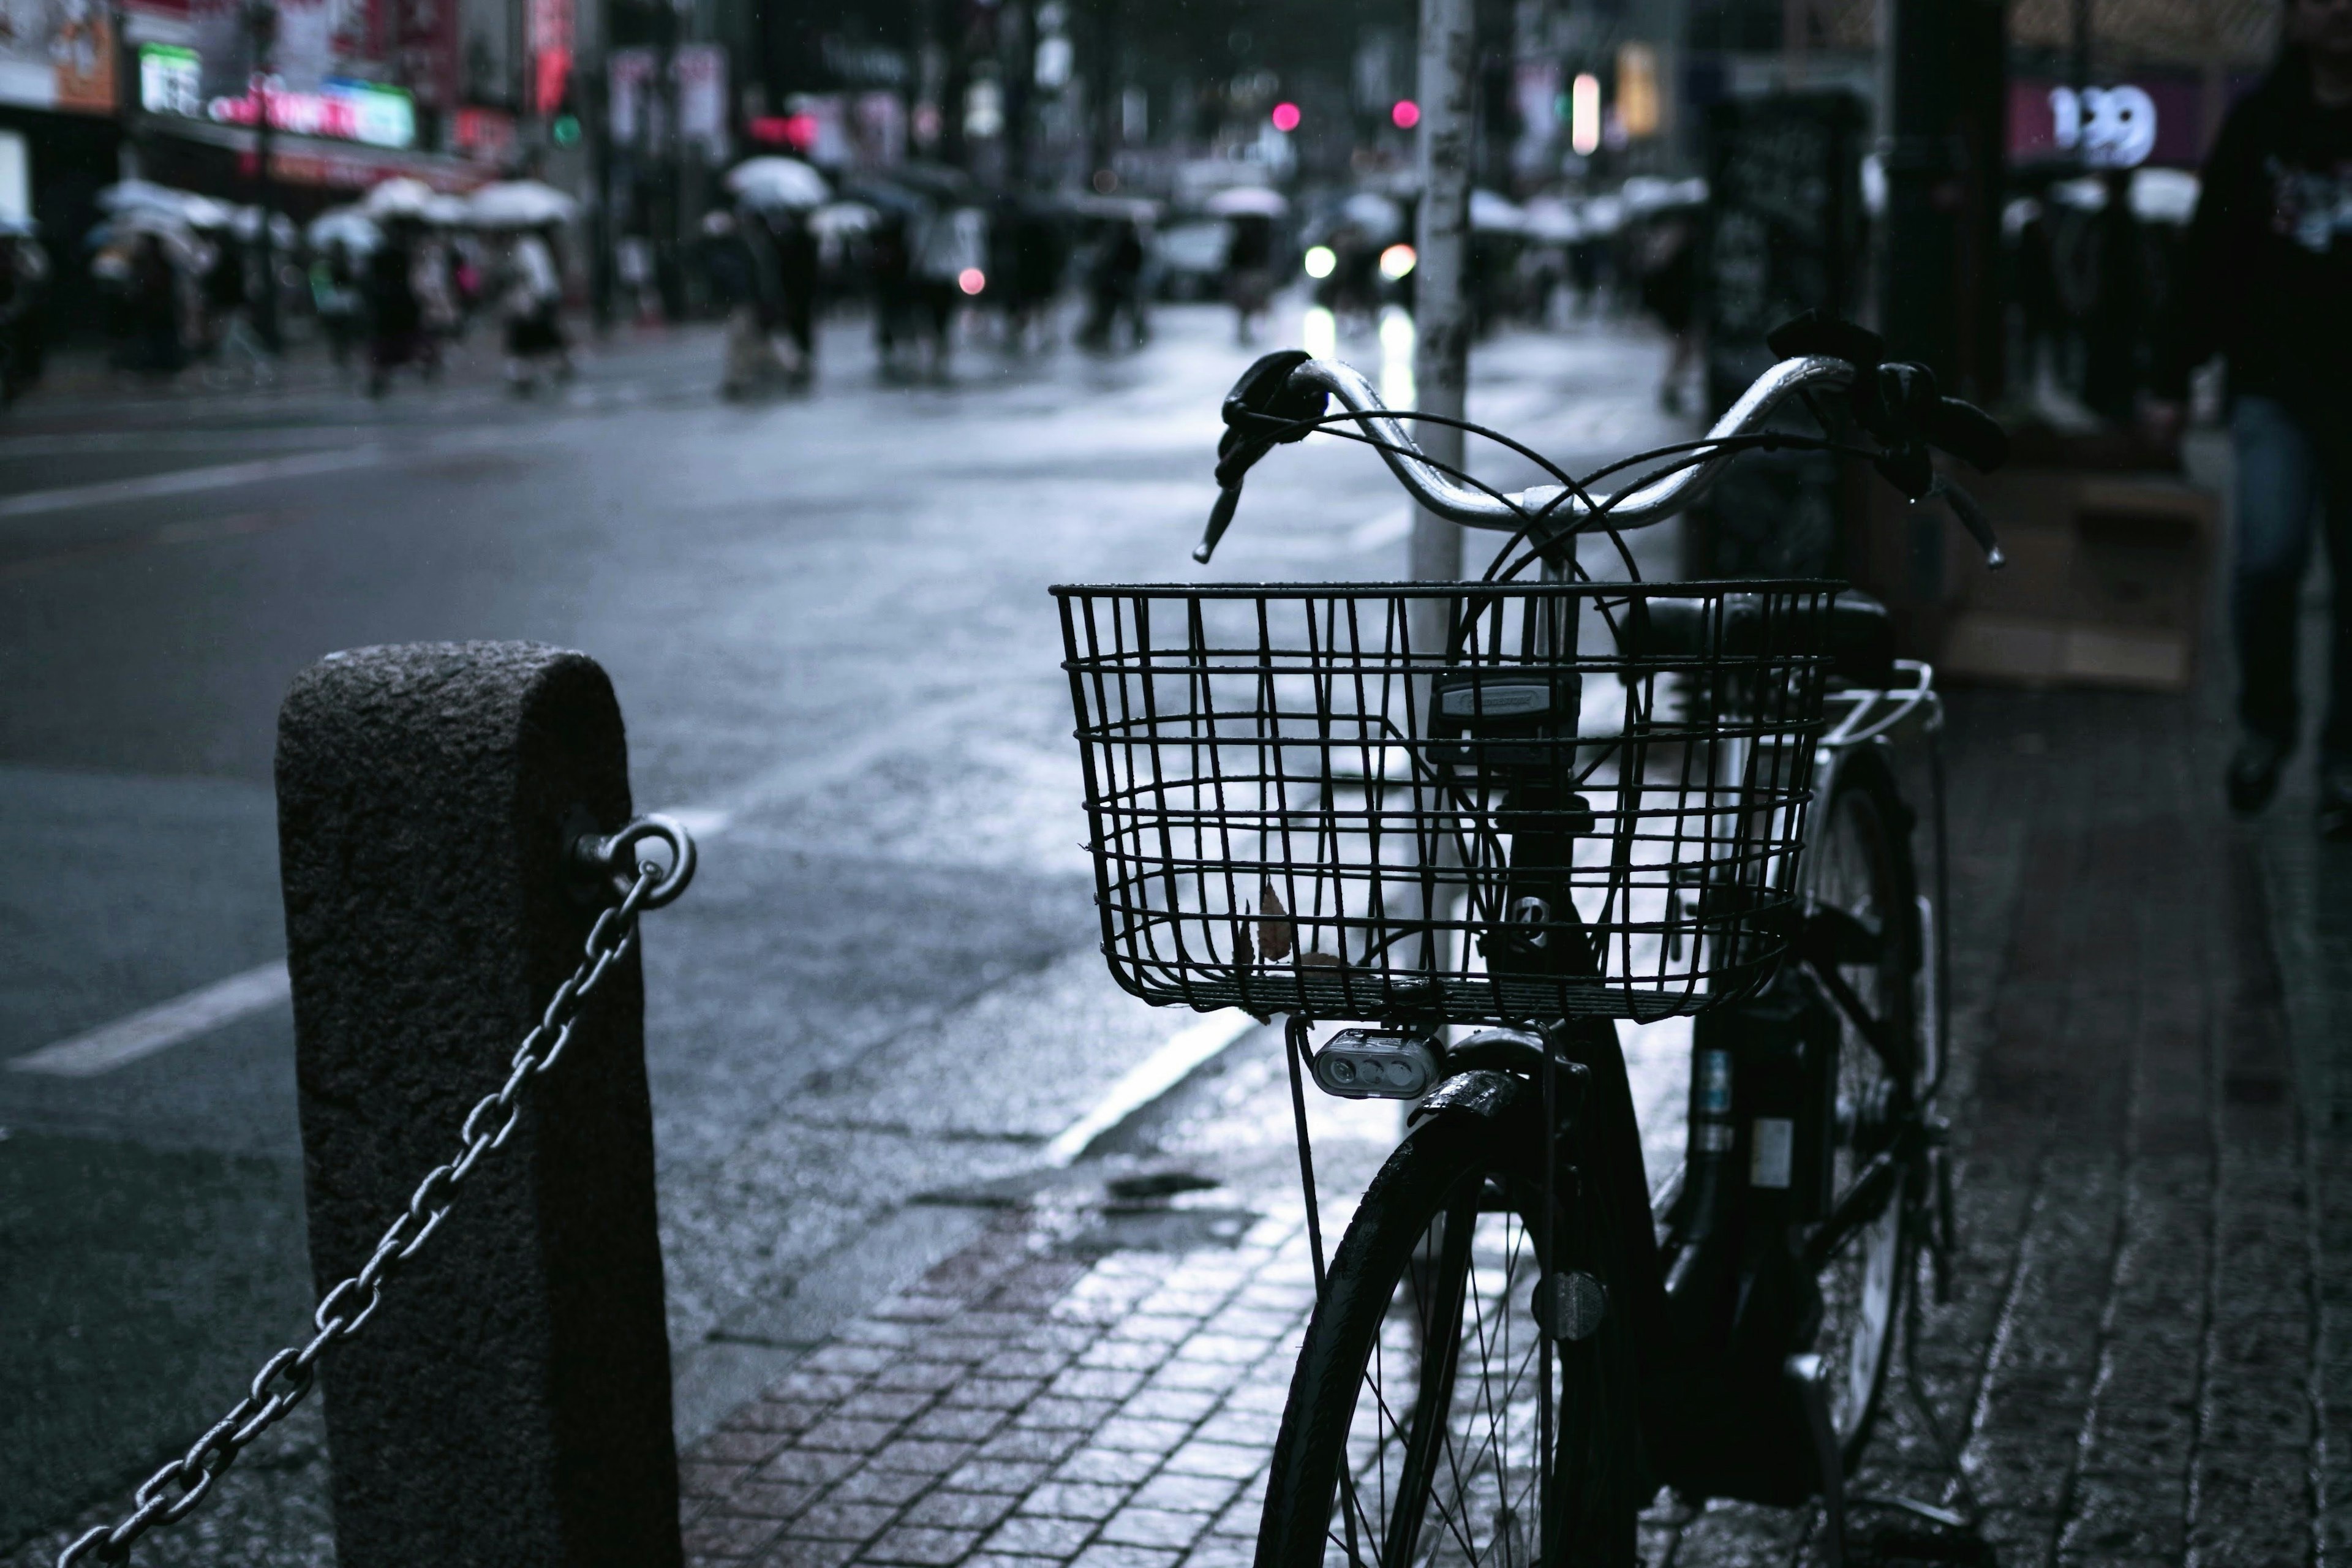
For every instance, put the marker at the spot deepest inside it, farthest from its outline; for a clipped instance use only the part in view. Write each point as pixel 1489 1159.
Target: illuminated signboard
pixel 341 111
pixel 170 80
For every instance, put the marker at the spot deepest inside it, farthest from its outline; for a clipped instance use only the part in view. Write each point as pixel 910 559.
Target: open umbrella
pixel 399 196
pixel 1492 213
pixel 1646 194
pixel 772 182
pixel 838 220
pixel 448 212
pixel 203 211
pixel 521 204
pixel 1118 209
pixel 1553 221
pixel 1602 215
pixel 1247 201
pixel 131 196
pixel 245 224
pixel 2164 196
pixel 346 225
pixel 1378 216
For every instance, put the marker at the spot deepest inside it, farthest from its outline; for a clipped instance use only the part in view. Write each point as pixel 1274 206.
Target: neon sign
pixel 342 110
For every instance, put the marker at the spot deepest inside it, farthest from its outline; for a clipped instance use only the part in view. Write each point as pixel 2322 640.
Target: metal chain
pixel 172 1493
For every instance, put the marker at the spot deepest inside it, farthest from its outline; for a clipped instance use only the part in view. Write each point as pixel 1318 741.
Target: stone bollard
pixel 509 1404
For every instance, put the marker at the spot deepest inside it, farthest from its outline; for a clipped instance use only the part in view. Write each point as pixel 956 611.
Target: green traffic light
pixel 566 130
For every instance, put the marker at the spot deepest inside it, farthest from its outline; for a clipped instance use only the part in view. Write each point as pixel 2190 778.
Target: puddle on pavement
pixel 1146 1227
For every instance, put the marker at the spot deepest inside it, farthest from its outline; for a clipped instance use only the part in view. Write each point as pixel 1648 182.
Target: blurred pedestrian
pixel 2268 285
pixel 23 305
pixel 793 309
pixel 1025 269
pixel 154 337
pixel 1249 271
pixel 231 284
pixel 395 315
pixel 949 264
pixel 530 298
pixel 732 267
pixel 1115 286
pixel 1666 261
pixel 890 264
pixel 336 299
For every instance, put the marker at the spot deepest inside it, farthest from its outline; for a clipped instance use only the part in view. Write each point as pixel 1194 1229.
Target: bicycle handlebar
pixel 1285 396
pixel 1649 503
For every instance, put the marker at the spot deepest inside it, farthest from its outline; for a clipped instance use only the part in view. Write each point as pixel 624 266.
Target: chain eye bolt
pixel 611 859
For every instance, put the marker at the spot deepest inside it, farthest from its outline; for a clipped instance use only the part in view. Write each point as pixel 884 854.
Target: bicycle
pixel 1480 822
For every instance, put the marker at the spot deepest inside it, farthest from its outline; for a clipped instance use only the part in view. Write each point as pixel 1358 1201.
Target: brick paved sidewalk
pixel 2137 1351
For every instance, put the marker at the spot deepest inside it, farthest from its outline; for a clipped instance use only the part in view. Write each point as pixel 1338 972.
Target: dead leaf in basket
pixel 1274 932
pixel 1243 958
pixel 1321 961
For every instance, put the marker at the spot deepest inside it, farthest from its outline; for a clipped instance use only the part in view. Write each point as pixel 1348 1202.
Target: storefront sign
pixel 698 74
pixel 2123 126
pixel 58 56
pixel 551 53
pixel 484 135
pixel 363 111
pixel 171 79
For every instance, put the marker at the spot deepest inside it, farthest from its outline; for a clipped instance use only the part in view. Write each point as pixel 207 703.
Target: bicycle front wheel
pixel 1430 1421
pixel 1862 868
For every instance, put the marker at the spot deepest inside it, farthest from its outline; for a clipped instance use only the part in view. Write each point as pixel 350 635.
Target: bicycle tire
pixel 1475 1506
pixel 1861 1286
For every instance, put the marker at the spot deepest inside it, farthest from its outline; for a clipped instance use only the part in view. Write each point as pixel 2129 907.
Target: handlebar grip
pixel 1817 332
pixel 1263 395
pixel 1967 431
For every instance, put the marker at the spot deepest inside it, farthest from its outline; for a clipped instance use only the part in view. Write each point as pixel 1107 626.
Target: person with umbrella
pixel 774 196
pixel 530 284
pixel 23 300
pixel 531 297
pixel 395 308
pixel 1249 212
pixel 1115 283
pixel 737 270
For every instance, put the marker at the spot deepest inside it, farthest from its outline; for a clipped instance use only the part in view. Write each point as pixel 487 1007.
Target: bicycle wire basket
pixel 1483 803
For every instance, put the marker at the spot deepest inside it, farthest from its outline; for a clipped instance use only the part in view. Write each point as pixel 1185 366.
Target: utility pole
pixel 261 20
pixel 1440 365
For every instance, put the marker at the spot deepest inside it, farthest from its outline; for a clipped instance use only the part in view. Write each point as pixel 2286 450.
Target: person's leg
pixel 2277 488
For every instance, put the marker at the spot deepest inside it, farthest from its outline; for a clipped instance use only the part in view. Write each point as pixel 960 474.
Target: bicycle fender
pixel 1485 1093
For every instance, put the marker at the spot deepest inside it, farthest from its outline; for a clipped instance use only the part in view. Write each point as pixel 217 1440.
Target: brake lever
pixel 1972 518
pixel 1221 517
pixel 1262 396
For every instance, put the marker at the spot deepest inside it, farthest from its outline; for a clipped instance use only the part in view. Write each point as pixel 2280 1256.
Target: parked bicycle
pixel 1479 822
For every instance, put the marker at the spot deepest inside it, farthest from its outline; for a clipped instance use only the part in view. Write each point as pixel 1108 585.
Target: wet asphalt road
pixel 827 622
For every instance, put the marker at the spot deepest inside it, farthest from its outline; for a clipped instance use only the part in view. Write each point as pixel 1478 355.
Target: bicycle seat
pixel 1860 632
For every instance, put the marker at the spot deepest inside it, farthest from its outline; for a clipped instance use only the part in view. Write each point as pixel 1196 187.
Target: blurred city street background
pixel 780 358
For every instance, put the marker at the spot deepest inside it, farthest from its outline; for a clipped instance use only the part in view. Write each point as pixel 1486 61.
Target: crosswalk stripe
pixel 162 1027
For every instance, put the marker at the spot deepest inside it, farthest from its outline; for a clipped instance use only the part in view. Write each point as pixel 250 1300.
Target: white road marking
pixel 162 1027
pixel 192 481
pixel 261 471
pixel 1154 1076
